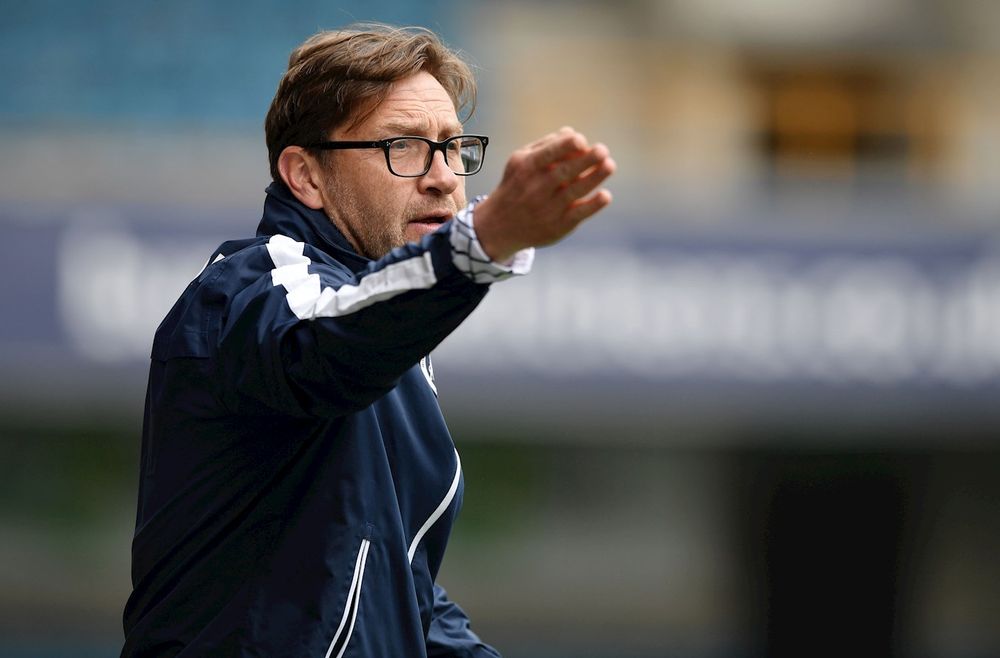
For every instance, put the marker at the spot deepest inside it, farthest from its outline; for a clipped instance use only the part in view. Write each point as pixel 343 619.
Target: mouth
pixel 432 220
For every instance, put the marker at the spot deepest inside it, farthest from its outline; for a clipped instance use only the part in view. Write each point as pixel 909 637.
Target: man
pixel 298 483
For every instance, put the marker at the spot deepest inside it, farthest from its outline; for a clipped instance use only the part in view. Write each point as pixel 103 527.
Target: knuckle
pixel 516 161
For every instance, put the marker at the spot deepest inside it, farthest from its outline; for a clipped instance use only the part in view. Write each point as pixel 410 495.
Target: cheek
pixel 459 194
pixel 385 198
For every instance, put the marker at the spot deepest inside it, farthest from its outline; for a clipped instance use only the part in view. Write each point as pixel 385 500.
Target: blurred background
pixel 750 410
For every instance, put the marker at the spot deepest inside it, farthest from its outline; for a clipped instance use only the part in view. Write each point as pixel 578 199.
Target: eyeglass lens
pixel 412 157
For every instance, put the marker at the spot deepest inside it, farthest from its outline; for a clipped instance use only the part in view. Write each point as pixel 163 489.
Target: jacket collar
pixel 286 215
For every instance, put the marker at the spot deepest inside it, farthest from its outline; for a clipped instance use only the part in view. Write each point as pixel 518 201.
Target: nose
pixel 439 179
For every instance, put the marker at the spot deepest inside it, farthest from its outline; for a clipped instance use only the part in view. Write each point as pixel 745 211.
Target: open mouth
pixel 421 226
pixel 433 220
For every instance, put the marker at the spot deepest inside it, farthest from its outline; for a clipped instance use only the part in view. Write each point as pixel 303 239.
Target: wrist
pixel 490 233
pixel 471 259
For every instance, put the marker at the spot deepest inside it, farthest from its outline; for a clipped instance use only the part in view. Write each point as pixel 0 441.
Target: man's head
pixel 369 83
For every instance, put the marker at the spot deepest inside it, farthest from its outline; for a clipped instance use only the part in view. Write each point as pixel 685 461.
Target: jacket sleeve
pixel 310 337
pixel 450 635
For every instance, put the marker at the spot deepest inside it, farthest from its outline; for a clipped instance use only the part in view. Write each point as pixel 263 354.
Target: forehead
pixel 414 105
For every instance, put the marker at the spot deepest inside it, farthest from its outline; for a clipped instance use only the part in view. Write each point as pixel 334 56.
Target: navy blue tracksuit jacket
pixel 298 483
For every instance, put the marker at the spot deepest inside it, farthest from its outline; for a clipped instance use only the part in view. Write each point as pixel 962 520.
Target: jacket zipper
pixel 340 639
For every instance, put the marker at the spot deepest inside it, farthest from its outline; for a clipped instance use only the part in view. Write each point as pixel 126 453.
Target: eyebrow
pixel 417 128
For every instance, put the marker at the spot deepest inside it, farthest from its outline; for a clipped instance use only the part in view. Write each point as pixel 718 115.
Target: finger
pixel 542 141
pixel 570 168
pixel 551 137
pixel 565 145
pixel 590 179
pixel 587 207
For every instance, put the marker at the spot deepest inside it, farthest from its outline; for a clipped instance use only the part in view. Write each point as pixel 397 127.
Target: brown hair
pixel 341 76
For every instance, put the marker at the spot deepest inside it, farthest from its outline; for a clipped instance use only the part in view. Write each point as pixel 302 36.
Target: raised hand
pixel 548 188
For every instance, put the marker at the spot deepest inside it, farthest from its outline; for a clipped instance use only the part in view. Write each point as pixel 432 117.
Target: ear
pixel 302 174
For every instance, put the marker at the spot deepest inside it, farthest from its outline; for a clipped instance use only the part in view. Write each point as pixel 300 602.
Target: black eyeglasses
pixel 410 157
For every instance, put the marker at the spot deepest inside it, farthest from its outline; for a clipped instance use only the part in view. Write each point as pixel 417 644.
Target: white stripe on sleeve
pixel 308 299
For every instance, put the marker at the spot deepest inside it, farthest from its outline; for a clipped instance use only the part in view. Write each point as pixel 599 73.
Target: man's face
pixel 377 210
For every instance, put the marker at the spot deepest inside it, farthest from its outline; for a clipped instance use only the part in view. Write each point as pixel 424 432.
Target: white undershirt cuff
pixel 469 257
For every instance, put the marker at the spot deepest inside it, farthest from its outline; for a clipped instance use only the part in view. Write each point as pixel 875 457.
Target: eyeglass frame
pixel 384 144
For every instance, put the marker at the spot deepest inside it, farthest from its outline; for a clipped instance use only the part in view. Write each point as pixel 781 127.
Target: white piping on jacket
pixel 353 600
pixel 448 497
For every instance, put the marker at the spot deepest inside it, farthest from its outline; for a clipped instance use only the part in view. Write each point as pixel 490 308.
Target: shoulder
pixel 238 264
